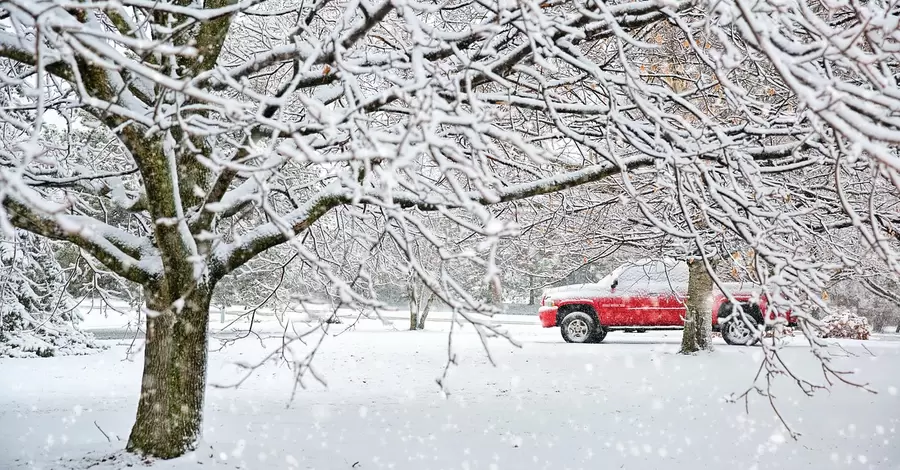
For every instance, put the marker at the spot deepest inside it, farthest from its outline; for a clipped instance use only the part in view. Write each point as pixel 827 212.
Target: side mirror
pixel 614 284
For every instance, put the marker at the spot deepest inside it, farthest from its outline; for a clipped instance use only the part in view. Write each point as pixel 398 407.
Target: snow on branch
pixel 129 256
pixel 187 141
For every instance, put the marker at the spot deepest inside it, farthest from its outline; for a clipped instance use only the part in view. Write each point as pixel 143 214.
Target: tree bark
pixel 531 293
pixel 698 317
pixel 424 313
pixel 496 294
pixel 169 414
pixel 413 304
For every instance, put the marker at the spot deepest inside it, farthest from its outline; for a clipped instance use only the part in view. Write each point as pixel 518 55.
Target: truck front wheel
pixel 579 327
pixel 740 329
pixel 740 332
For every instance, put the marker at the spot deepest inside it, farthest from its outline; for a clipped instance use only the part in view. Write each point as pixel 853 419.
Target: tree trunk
pixel 698 317
pixel 424 313
pixel 413 304
pixel 531 293
pixel 169 413
pixel 496 294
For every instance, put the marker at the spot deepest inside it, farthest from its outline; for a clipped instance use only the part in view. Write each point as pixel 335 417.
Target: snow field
pixel 630 402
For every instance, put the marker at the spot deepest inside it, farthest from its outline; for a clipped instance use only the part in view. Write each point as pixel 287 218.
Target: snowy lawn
pixel 629 403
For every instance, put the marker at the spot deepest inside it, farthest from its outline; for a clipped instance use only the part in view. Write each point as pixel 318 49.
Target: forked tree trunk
pixel 417 311
pixel 170 409
pixel 698 318
pixel 413 318
pixel 424 313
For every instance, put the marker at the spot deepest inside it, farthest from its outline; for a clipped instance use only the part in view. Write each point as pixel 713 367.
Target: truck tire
pixel 739 331
pixel 579 327
pixel 599 334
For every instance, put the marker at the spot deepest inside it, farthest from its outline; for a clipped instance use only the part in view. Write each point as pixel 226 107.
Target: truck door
pixel 672 295
pixel 640 302
pixel 655 293
pixel 672 309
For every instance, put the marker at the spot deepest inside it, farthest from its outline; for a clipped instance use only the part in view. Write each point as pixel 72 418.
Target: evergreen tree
pixel 37 315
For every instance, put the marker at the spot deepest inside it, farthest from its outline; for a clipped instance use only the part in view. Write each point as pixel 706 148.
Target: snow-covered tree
pixel 868 293
pixel 37 314
pixel 222 130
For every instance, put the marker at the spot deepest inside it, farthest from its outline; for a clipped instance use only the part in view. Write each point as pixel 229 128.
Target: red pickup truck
pixel 649 294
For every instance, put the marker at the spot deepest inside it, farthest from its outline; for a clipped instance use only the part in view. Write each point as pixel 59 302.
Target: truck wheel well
pixel 566 309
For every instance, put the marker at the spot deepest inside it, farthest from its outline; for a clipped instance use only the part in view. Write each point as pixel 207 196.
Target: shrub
pixel 845 325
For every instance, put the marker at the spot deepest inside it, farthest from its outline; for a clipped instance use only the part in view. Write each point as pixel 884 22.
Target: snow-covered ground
pixel 629 403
